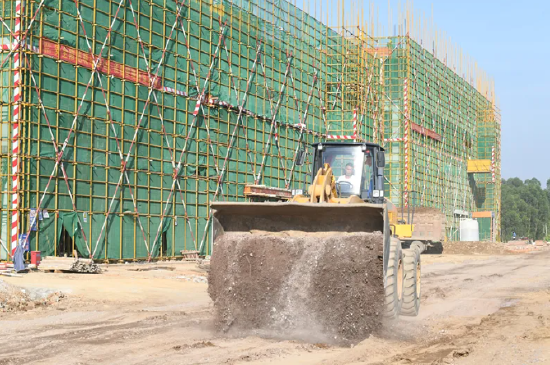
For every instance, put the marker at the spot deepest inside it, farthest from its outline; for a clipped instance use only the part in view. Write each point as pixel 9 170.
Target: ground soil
pixel 476 309
pixel 474 248
pixel 492 248
pixel 314 288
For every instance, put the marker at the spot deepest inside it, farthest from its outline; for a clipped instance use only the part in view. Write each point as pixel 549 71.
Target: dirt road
pixel 475 310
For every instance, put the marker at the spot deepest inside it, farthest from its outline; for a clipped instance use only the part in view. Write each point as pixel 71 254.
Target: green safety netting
pixel 485 228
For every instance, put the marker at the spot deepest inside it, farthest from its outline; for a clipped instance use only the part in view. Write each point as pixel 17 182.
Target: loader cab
pixel 358 168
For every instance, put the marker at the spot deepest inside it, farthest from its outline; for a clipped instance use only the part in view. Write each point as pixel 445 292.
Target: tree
pixel 525 208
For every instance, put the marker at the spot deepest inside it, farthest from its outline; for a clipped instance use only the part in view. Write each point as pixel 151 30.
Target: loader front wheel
pixel 411 288
pixel 393 289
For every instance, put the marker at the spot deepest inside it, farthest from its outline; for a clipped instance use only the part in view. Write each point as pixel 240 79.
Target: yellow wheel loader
pixel 326 265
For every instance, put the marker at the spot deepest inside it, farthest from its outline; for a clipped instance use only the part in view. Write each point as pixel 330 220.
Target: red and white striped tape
pixel 341 137
pixel 198 106
pixel 493 163
pixel 174 91
pixel 15 129
pixel 302 128
pixel 347 137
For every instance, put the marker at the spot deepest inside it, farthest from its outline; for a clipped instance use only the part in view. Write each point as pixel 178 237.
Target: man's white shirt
pixel 354 180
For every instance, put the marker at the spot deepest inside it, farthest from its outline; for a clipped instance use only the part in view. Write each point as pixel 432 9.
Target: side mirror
pixel 380 159
pixel 300 157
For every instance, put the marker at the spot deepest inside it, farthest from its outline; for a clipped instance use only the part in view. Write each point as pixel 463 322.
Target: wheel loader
pixel 326 264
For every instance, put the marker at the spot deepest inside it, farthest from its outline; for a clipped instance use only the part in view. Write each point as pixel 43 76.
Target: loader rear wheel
pixel 411 289
pixel 393 289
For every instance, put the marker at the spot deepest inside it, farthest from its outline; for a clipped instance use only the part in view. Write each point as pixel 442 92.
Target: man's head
pixel 368 160
pixel 349 169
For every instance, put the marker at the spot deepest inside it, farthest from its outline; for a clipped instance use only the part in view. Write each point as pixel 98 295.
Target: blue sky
pixel 510 41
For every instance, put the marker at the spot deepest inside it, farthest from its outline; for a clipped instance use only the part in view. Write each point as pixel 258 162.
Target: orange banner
pixel 425 131
pixel 84 59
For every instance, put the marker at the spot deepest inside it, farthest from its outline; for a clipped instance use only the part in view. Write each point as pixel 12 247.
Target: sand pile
pixel 316 288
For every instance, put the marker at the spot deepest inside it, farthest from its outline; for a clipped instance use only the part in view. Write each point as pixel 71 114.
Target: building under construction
pixel 123 119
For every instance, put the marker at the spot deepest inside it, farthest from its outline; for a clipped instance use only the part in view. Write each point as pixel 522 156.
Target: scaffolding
pixel 436 122
pixel 122 120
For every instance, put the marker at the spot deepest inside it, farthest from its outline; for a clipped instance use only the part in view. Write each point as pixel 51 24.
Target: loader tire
pixel 420 245
pixel 411 283
pixel 393 289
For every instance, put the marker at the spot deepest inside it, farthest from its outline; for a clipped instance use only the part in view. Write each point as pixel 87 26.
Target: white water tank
pixel 469 230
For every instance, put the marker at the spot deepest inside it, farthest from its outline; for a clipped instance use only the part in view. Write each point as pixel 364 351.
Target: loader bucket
pixel 312 272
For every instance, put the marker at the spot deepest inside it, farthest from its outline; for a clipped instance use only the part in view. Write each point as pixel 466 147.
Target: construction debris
pixel 13 298
pixel 526 246
pixel 85 266
pixel 69 264
pixel 189 255
pixel 11 274
pixel 194 278
pixel 150 268
pixel 204 264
